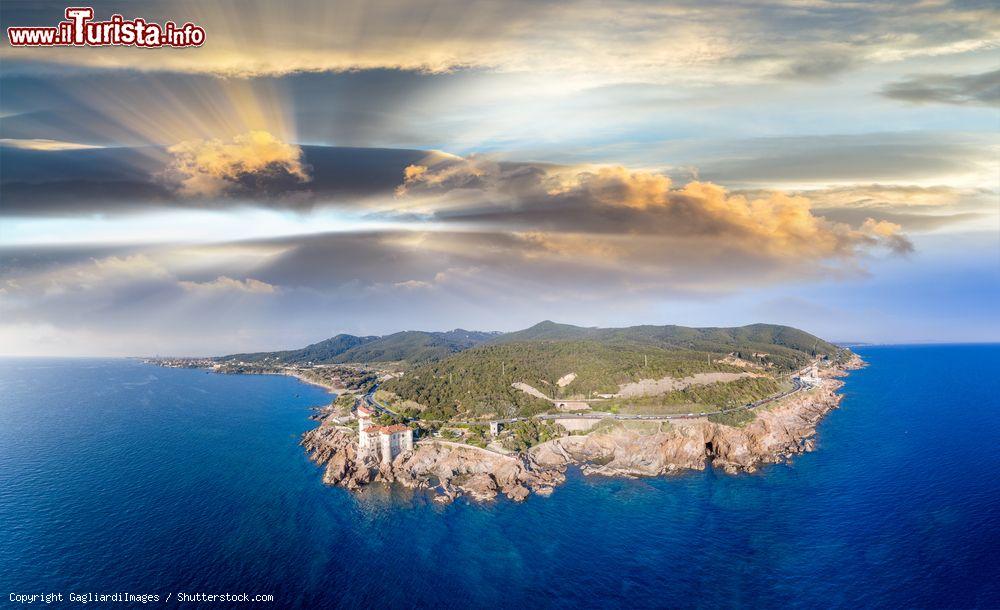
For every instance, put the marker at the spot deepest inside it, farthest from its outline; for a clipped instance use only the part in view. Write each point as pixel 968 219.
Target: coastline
pixel 778 432
pixel 203 364
pixel 329 387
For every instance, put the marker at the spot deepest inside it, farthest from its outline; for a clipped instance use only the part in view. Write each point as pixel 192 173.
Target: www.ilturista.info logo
pixel 81 30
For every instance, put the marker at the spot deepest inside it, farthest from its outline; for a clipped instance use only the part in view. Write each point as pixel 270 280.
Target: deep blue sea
pixel 120 476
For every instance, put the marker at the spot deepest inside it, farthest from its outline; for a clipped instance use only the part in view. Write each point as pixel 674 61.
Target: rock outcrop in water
pixel 624 448
pixel 450 469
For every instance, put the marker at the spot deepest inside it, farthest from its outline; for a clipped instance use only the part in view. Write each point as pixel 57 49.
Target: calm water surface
pixel 119 476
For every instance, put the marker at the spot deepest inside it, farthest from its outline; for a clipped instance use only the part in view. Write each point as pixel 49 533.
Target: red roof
pixel 363 410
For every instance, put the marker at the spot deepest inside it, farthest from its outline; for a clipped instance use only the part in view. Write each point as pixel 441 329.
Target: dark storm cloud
pixel 124 180
pixel 361 108
pixel 975 89
pixel 158 126
pixel 45 183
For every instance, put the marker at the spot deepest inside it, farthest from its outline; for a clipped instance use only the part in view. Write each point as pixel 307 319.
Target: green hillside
pixel 477 382
pixel 785 346
pixel 469 374
pixel 324 352
pixel 412 347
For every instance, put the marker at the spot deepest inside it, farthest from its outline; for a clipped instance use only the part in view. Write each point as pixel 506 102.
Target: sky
pixel 374 166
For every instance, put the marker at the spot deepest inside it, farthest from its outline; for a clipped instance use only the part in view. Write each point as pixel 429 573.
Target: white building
pixel 382 442
pixel 810 377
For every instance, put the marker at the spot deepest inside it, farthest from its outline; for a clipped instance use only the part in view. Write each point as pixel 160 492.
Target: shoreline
pixel 331 389
pixel 280 373
pixel 778 432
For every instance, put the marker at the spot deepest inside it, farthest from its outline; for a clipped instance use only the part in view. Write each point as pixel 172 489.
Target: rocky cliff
pixel 619 448
pixel 652 449
pixel 448 469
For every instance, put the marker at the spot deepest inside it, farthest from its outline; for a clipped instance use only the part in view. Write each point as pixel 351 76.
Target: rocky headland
pixel 622 448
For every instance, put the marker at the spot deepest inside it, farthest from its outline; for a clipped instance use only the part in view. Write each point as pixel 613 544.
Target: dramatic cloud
pixel 915 208
pixel 616 201
pixel 981 89
pixel 255 163
pixel 286 292
pixel 580 41
pixel 121 180
pixel 639 159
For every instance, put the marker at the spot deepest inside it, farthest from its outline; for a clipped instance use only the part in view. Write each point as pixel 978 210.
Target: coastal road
pixel 369 399
pixel 797 387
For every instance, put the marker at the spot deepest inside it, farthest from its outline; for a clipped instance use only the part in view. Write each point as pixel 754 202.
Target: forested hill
pixel 784 347
pixel 324 351
pixel 413 347
pixel 567 362
pixel 762 338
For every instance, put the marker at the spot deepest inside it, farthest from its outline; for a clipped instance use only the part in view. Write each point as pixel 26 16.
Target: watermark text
pixel 80 30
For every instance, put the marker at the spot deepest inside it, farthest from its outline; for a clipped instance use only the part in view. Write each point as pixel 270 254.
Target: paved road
pixel 369 399
pixel 798 386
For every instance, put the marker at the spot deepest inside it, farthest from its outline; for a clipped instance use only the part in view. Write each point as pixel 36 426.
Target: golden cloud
pixel 253 162
pixel 558 205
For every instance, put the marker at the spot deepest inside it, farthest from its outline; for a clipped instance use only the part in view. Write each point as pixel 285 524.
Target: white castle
pixel 383 442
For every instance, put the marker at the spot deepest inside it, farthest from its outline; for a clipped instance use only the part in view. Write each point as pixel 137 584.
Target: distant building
pixel 364 417
pixel 382 442
pixel 810 377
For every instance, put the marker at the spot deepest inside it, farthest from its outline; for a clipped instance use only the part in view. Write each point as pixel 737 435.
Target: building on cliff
pixel 810 376
pixel 382 442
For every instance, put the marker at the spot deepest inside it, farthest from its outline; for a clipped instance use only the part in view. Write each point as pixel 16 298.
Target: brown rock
pixel 450 469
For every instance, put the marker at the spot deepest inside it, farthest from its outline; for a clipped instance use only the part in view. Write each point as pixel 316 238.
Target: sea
pixel 118 477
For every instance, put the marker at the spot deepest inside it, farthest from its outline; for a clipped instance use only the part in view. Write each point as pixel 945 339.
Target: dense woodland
pixel 469 375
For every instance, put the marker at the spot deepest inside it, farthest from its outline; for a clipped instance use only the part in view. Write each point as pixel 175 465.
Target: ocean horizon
pixel 120 476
